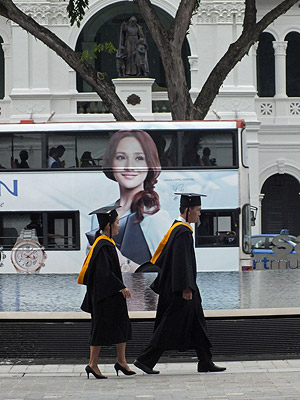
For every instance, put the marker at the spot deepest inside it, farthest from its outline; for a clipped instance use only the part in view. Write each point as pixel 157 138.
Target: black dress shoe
pixel 89 371
pixel 209 367
pixel 144 368
pixel 119 367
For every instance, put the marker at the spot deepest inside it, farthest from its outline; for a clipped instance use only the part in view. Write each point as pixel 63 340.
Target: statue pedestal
pixel 136 94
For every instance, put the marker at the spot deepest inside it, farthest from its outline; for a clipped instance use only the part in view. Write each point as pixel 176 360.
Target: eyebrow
pixel 136 152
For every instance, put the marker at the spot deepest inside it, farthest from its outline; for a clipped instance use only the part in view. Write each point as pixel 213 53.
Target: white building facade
pixel 263 89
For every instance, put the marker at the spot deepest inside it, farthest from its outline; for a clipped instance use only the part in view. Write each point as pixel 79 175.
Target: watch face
pixel 27 256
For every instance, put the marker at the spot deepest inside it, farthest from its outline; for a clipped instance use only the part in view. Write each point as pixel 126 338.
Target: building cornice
pixel 45 12
pixel 220 12
pixel 209 12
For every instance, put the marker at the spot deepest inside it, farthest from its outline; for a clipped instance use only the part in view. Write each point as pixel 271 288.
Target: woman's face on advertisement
pixel 129 163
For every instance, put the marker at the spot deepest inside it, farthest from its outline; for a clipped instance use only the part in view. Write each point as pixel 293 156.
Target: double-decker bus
pixel 54 174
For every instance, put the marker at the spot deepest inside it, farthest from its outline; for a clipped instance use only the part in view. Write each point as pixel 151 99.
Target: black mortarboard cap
pixel 190 199
pixel 105 215
pixel 105 210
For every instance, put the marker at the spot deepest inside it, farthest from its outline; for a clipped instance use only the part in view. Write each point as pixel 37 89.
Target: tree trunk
pixel 86 71
pixel 169 44
pixel 179 97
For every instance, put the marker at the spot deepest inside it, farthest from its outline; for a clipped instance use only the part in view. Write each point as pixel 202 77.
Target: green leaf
pixel 90 54
pixel 76 10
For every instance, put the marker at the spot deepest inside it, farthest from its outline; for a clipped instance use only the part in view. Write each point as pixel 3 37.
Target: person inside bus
pixel 131 159
pixel 190 155
pixel 106 295
pixel 52 160
pixel 60 152
pixel 86 160
pixel 23 157
pixel 205 157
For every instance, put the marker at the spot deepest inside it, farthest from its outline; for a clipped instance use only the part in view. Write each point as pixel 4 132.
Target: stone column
pixel 7 69
pixel 280 68
pixel 193 60
pixel 254 61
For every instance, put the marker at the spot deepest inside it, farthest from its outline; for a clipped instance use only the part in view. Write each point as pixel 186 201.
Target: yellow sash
pixel 165 240
pixel 88 258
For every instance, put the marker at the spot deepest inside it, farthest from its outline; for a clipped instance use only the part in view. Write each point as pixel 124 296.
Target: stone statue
pixel 131 57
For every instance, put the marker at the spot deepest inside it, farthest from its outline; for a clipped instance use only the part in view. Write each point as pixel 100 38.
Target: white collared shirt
pixel 181 219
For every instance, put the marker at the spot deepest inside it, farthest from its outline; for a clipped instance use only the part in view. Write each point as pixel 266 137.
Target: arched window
pixel 281 204
pixel 105 25
pixel 265 66
pixel 293 64
pixel 1 70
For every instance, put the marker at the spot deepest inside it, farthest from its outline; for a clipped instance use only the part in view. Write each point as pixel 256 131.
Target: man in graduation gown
pixel 180 323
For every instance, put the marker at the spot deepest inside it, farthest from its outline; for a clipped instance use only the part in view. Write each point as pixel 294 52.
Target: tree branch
pixel 89 74
pixel 282 8
pixel 182 21
pixel 250 14
pixel 158 32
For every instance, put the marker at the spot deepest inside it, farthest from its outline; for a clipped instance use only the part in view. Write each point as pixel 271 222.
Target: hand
pixel 187 294
pixel 126 293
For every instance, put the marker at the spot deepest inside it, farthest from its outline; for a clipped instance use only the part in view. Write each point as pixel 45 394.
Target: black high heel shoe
pixel 119 367
pixel 89 371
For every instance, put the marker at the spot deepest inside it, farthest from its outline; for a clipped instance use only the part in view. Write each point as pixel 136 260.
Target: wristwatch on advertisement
pixel 2 256
pixel 28 255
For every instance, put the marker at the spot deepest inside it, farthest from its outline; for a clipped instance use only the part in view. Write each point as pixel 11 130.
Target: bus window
pixel 5 150
pixel 62 232
pixel 30 145
pixel 65 156
pixel 21 151
pixel 91 148
pixel 217 228
pixel 209 149
pixel 54 230
pixel 167 147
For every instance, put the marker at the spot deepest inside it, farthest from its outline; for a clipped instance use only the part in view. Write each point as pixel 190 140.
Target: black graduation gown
pixel 103 299
pixel 179 324
pixel 130 240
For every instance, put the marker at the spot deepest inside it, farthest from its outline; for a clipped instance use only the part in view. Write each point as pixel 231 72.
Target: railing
pixel 272 107
pixel 266 107
pixel 90 104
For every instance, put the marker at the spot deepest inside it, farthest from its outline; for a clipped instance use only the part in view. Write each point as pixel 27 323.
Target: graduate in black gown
pixel 106 295
pixel 180 323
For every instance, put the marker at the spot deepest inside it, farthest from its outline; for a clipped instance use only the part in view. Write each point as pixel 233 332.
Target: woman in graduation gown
pixel 106 295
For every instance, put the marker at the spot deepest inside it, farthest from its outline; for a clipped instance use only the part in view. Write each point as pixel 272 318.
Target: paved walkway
pixel 247 380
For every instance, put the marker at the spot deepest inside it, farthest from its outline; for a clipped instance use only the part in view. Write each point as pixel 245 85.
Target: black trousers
pixel 150 355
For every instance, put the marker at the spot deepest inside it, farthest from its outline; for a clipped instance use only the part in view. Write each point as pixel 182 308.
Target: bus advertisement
pixel 54 174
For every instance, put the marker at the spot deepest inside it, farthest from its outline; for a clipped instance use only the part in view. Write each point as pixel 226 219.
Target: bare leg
pixel 94 354
pixel 121 348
